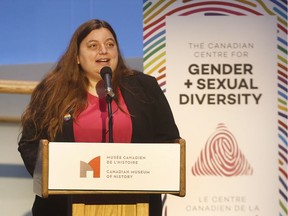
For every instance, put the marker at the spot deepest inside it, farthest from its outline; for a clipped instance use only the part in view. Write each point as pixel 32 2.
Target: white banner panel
pixel 221 85
pixel 117 166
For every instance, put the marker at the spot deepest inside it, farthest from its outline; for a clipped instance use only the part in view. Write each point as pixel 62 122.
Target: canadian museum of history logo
pixel 221 156
pixel 93 166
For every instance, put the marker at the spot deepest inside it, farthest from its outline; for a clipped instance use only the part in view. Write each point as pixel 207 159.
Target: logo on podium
pixel 90 169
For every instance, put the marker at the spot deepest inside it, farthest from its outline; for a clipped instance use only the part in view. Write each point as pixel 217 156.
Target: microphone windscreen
pixel 105 70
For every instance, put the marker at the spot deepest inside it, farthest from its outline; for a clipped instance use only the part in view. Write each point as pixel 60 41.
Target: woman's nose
pixel 103 49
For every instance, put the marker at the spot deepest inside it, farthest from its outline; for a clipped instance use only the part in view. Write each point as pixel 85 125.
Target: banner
pixel 219 74
pixel 222 93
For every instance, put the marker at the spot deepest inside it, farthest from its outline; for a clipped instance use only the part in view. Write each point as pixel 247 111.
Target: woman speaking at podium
pixel 70 105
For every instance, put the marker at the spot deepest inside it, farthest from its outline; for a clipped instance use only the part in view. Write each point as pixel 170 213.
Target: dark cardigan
pixel 152 121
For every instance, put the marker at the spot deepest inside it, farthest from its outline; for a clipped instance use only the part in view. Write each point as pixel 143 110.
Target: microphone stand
pixel 110 118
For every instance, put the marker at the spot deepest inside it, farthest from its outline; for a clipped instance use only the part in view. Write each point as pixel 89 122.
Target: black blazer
pixel 152 118
pixel 152 121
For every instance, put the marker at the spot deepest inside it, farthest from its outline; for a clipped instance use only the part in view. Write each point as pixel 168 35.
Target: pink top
pixel 92 124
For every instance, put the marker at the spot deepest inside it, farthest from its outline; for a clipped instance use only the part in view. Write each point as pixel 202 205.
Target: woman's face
pixel 97 49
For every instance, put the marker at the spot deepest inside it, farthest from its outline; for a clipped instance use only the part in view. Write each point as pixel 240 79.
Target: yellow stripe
pixel 282 59
pixel 247 2
pixel 157 12
pixel 283 108
pixel 280 20
pixel 152 9
pixel 156 66
pixel 154 60
pixel 265 7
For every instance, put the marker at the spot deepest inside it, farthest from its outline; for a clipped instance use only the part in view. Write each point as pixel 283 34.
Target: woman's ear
pixel 78 61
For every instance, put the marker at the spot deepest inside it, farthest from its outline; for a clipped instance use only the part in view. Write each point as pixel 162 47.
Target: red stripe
pixel 212 9
pixel 200 4
pixel 282 28
pixel 153 30
pixel 283 172
pixel 284 125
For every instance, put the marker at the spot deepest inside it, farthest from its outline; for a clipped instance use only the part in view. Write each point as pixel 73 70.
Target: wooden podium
pixel 123 179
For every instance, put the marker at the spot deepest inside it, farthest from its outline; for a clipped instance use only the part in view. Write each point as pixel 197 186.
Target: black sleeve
pixel 151 115
pixel 28 148
pixel 164 126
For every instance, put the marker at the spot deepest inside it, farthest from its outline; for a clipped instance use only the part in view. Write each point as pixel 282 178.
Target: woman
pixel 69 105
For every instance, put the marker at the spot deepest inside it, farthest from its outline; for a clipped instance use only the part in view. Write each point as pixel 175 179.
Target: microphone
pixel 106 74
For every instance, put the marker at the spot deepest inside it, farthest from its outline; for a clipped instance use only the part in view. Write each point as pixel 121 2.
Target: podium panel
pixel 110 169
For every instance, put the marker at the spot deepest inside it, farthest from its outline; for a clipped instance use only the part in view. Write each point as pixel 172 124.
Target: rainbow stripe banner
pixel 156 56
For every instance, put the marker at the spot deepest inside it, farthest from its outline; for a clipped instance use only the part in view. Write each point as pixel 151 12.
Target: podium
pixel 123 175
